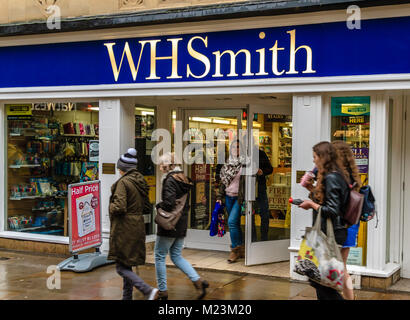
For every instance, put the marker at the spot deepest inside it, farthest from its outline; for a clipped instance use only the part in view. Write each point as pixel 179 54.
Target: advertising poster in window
pixel 200 175
pixel 19 111
pixel 94 150
pixel 361 156
pixel 85 215
pixel 278 197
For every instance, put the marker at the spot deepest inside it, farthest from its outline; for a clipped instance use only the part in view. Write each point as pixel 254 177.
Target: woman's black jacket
pixel 175 185
pixel 336 196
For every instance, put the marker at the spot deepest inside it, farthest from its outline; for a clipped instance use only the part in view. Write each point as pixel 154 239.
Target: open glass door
pixel 268 211
pixel 209 134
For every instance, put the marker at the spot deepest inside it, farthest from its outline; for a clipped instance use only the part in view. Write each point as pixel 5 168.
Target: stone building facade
pixel 17 11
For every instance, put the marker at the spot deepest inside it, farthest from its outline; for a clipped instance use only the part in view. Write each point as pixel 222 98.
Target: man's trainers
pixel 154 295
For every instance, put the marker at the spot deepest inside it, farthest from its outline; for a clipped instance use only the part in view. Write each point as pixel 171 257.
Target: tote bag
pixel 319 256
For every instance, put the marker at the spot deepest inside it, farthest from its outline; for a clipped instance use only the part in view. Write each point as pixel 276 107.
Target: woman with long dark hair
pixel 347 159
pixel 331 194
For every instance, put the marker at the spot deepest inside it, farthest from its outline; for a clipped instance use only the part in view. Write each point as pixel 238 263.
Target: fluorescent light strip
pixel 199 119
pixel 221 121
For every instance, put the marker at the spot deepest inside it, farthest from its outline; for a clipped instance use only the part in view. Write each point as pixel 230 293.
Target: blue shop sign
pixel 381 46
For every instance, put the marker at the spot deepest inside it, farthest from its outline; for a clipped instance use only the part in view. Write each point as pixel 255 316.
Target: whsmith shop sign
pixel 381 46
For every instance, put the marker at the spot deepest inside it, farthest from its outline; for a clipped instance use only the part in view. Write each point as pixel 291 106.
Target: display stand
pixel 84 213
pixel 84 262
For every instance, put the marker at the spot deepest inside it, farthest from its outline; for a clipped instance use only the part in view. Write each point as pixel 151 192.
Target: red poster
pixel 85 215
pixel 200 172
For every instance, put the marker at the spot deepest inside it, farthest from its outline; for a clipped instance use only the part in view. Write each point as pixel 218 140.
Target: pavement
pixel 23 276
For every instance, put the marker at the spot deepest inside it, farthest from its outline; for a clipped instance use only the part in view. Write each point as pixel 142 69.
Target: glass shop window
pixel 351 123
pixel 144 126
pixel 49 146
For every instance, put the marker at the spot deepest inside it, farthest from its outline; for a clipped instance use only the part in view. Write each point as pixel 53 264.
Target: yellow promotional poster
pixel 152 189
pixel 16 110
pixel 19 109
pixel 200 192
pixel 356 109
pixel 287 218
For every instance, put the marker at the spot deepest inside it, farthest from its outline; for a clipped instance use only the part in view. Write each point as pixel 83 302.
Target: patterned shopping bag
pixel 319 257
pixel 221 223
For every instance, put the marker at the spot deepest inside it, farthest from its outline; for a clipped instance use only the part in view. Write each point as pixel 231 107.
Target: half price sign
pixel 85 215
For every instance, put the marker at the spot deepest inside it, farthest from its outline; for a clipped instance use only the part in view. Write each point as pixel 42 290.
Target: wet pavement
pixel 24 277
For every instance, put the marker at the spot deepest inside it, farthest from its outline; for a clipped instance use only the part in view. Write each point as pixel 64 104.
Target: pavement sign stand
pixel 85 227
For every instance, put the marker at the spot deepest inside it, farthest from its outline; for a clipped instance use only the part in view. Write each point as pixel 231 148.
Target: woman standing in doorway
pixel 174 186
pixel 129 196
pixel 345 154
pixel 331 194
pixel 231 190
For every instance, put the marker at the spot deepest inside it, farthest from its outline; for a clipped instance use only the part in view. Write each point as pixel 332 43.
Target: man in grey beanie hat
pixel 128 161
pixel 129 202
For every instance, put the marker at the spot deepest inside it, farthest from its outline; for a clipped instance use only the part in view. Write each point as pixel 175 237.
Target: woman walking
pixel 174 186
pixel 345 154
pixel 331 195
pixel 231 190
pixel 129 196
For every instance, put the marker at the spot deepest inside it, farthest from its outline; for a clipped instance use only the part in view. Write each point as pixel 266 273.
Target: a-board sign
pixel 84 208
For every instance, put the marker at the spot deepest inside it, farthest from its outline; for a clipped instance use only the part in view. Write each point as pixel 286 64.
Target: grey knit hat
pixel 128 161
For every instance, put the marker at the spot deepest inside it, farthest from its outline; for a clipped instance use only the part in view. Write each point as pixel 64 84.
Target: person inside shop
pixel 129 201
pixel 265 169
pixel 232 191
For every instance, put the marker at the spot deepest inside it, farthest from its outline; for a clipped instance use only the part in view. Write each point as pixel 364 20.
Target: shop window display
pixel 50 145
pixel 351 123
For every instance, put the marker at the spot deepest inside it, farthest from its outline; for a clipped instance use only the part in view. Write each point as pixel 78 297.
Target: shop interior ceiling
pixel 217 101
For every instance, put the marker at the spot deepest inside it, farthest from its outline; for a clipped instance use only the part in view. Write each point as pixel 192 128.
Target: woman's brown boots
pixel 236 253
pixel 201 286
pixel 163 295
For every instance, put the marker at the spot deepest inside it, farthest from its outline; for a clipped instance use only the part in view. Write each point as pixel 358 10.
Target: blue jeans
pixel 174 246
pixel 234 220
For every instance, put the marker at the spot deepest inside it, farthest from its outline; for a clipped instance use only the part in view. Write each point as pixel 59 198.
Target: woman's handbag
pixel 168 220
pixel 354 207
pixel 319 256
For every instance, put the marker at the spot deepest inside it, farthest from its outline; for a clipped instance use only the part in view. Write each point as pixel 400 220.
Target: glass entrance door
pixel 209 135
pixel 268 191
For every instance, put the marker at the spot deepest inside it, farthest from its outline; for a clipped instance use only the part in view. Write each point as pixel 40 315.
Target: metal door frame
pixel 200 239
pixel 264 251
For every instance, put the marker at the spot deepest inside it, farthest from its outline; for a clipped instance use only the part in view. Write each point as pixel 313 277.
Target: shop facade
pixel 72 105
